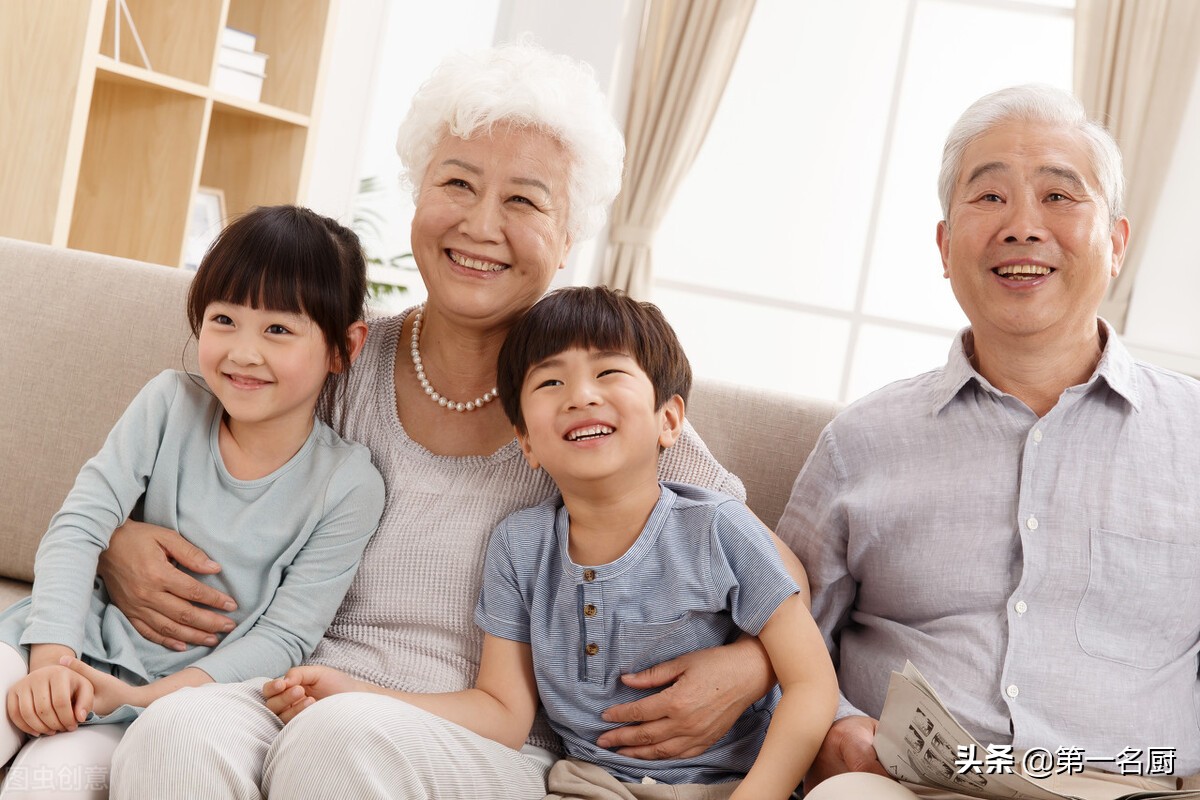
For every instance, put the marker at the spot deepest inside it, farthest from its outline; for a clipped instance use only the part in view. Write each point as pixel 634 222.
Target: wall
pixel 344 107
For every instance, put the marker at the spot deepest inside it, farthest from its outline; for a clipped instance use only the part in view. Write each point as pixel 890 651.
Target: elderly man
pixel 1022 524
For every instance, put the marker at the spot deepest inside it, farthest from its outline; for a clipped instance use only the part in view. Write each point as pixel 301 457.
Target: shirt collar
pixel 1116 367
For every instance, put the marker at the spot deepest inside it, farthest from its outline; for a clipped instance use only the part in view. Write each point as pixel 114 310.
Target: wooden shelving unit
pixel 99 153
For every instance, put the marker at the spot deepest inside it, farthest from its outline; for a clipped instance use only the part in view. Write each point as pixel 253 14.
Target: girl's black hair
pixel 287 258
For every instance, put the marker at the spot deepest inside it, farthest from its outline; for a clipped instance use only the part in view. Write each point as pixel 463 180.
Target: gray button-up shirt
pixel 1043 574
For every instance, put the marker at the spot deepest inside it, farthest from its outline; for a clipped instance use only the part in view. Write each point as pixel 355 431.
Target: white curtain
pixel 1135 61
pixel 685 54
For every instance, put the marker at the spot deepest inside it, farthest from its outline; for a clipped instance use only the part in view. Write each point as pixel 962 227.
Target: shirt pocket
pixel 1141 606
pixel 641 645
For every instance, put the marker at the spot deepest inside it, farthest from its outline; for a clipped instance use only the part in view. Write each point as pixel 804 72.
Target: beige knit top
pixel 407 622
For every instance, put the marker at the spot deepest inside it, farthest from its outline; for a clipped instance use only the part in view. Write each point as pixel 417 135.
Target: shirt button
pixel 592 649
pixel 1011 691
pixel 589 610
pixel 1037 435
pixel 589 575
pixel 1031 523
pixel 1021 607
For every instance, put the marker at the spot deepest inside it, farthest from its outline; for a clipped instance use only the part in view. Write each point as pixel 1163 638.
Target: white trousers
pixel 1091 785
pixel 72 764
pixel 222 742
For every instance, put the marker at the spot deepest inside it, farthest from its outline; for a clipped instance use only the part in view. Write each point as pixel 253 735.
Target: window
pixel 799 252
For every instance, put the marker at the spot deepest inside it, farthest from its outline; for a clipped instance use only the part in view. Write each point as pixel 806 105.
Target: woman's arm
pixel 142 573
pixel 706 691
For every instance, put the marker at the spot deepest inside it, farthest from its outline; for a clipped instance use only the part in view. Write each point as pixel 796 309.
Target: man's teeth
pixel 1023 272
pixel 590 432
pixel 474 263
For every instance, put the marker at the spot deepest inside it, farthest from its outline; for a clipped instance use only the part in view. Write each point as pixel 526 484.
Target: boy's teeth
pixel 474 263
pixel 589 432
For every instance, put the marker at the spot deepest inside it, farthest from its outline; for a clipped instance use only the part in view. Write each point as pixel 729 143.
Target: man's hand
pixel 706 693
pixel 108 691
pixel 163 603
pixel 848 747
pixel 303 686
pixel 48 700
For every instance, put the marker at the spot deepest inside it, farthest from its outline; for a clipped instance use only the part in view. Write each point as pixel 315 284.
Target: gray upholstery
pixel 80 333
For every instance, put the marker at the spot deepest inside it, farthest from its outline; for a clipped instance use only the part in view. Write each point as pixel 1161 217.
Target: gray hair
pixel 521 83
pixel 1034 103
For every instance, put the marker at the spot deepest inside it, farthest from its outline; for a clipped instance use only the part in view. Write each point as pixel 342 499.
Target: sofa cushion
pixel 763 437
pixel 81 334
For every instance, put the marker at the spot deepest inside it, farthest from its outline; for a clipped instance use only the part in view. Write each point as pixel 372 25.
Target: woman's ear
pixel 672 421
pixel 356 337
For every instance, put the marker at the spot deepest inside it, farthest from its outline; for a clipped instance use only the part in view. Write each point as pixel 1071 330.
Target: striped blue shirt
pixel 702 570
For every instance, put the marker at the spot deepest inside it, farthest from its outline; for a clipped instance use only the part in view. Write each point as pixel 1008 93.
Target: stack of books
pixel 240 68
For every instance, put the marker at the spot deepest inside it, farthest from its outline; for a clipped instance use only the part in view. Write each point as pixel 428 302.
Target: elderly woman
pixel 513 158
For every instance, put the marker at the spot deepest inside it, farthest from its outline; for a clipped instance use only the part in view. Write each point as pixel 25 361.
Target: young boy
pixel 620 572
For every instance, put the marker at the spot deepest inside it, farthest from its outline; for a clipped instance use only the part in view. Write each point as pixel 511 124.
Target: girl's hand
pixel 109 692
pixel 49 700
pixel 303 686
pixel 164 604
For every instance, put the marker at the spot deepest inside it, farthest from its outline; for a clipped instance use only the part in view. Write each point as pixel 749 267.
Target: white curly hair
pixel 525 84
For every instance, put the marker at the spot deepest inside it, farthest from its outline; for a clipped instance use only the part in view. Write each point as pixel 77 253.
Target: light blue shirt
pixel 1043 574
pixel 702 570
pixel 288 543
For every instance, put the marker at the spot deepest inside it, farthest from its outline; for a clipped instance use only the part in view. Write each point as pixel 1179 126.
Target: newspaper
pixel 920 742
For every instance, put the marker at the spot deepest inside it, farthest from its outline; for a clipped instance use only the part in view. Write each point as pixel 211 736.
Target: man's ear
pixel 943 243
pixel 672 421
pixel 1120 242
pixel 356 337
pixel 526 450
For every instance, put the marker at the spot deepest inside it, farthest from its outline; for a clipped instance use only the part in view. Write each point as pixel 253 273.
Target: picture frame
pixel 205 221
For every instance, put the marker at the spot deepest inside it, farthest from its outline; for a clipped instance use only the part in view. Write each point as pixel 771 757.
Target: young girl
pixel 234 459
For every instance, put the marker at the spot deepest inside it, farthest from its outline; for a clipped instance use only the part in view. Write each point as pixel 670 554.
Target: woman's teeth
pixel 476 264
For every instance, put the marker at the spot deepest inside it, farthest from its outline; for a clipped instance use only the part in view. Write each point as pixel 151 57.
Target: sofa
pixel 81 333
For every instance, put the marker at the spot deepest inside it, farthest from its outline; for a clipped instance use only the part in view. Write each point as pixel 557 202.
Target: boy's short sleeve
pixel 744 560
pixel 502 610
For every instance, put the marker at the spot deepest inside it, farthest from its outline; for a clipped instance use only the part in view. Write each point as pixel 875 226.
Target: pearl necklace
pixel 444 402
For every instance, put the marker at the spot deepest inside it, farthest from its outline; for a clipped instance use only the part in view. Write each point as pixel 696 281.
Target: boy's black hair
pixel 592 317
pixel 286 258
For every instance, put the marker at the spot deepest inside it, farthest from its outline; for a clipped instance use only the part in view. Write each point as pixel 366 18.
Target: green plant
pixel 369 219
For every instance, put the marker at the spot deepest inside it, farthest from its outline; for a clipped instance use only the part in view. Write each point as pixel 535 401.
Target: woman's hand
pixel 706 691
pixel 48 700
pixel 303 686
pixel 108 691
pixel 163 603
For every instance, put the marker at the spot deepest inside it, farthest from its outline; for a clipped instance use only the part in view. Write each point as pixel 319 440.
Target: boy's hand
pixel 109 692
pixel 303 686
pixel 49 700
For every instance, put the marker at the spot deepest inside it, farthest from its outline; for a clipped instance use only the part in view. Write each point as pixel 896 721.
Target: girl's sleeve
pixel 313 584
pixel 105 493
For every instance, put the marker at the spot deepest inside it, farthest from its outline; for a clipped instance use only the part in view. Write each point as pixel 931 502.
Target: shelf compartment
pixel 43 78
pixel 255 160
pixel 179 36
pixel 291 34
pixel 139 153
